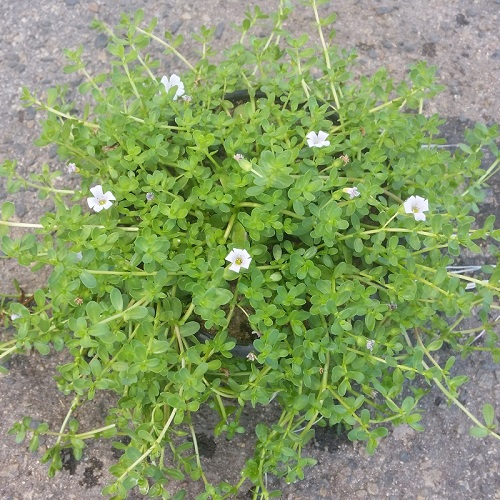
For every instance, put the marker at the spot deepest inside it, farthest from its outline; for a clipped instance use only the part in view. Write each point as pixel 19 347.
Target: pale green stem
pixel 65 115
pixel 121 313
pixel 484 177
pixel 8 351
pixel 48 189
pixel 388 230
pixel 168 46
pixel 98 272
pixel 325 52
pixel 131 229
pixel 474 280
pixel 445 391
pixel 93 432
pixel 151 448
pixel 74 405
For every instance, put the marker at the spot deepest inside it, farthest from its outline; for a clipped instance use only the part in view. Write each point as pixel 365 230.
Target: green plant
pixel 268 198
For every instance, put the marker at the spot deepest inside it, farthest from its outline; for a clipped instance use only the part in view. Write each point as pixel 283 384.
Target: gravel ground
pixel 461 37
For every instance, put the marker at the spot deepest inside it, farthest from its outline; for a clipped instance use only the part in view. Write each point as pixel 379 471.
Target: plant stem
pixel 168 46
pixel 152 447
pixel 130 229
pixel 446 392
pixel 56 112
pixel 73 407
pixel 325 52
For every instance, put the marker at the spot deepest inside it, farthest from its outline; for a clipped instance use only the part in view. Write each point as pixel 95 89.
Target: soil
pixel 462 38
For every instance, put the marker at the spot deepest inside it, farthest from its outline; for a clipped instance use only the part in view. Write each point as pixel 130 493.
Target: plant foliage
pixel 346 296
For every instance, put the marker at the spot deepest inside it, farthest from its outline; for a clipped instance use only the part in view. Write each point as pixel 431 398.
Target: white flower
pixel 370 344
pixel 251 356
pixel 317 140
pixel 245 164
pixel 149 196
pixel 173 81
pixel 78 256
pixel 100 200
pixel 416 205
pixel 352 192
pixel 71 168
pixel 187 98
pixel 14 316
pixel 239 258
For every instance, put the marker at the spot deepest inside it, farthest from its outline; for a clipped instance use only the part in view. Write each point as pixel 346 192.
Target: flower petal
pixel 109 196
pixel 97 191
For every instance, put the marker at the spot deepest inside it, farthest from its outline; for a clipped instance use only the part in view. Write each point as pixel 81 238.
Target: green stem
pixel 152 447
pixel 93 432
pixel 446 392
pixel 73 407
pixel 188 312
pixel 388 230
pixel 131 229
pixel 46 188
pixel 8 351
pixel 474 280
pixel 157 125
pixel 325 52
pixel 229 227
pixel 250 204
pixel 197 453
pixel 491 171
pixel 122 313
pixel 168 46
pixel 64 115
pixel 98 272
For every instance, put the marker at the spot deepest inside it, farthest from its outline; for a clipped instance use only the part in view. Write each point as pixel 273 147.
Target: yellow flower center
pixel 238 261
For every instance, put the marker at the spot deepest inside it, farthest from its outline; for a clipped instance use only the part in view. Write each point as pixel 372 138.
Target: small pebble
pixel 461 20
pixel 174 27
pixel 219 30
pixel 383 10
pixel 409 47
pixel 30 113
pixel 12 59
pixel 101 41
pixel 21 211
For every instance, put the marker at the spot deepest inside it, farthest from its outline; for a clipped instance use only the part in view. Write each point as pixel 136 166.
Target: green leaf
pixel 42 348
pixel 189 328
pixel 435 345
pixel 8 209
pixel 478 432
pixel 116 299
pixel 88 279
pixel 93 310
pixel 238 235
pixel 146 436
pixel 488 414
pixel 135 313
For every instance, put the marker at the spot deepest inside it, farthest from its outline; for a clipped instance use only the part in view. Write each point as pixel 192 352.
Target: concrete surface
pixel 462 38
